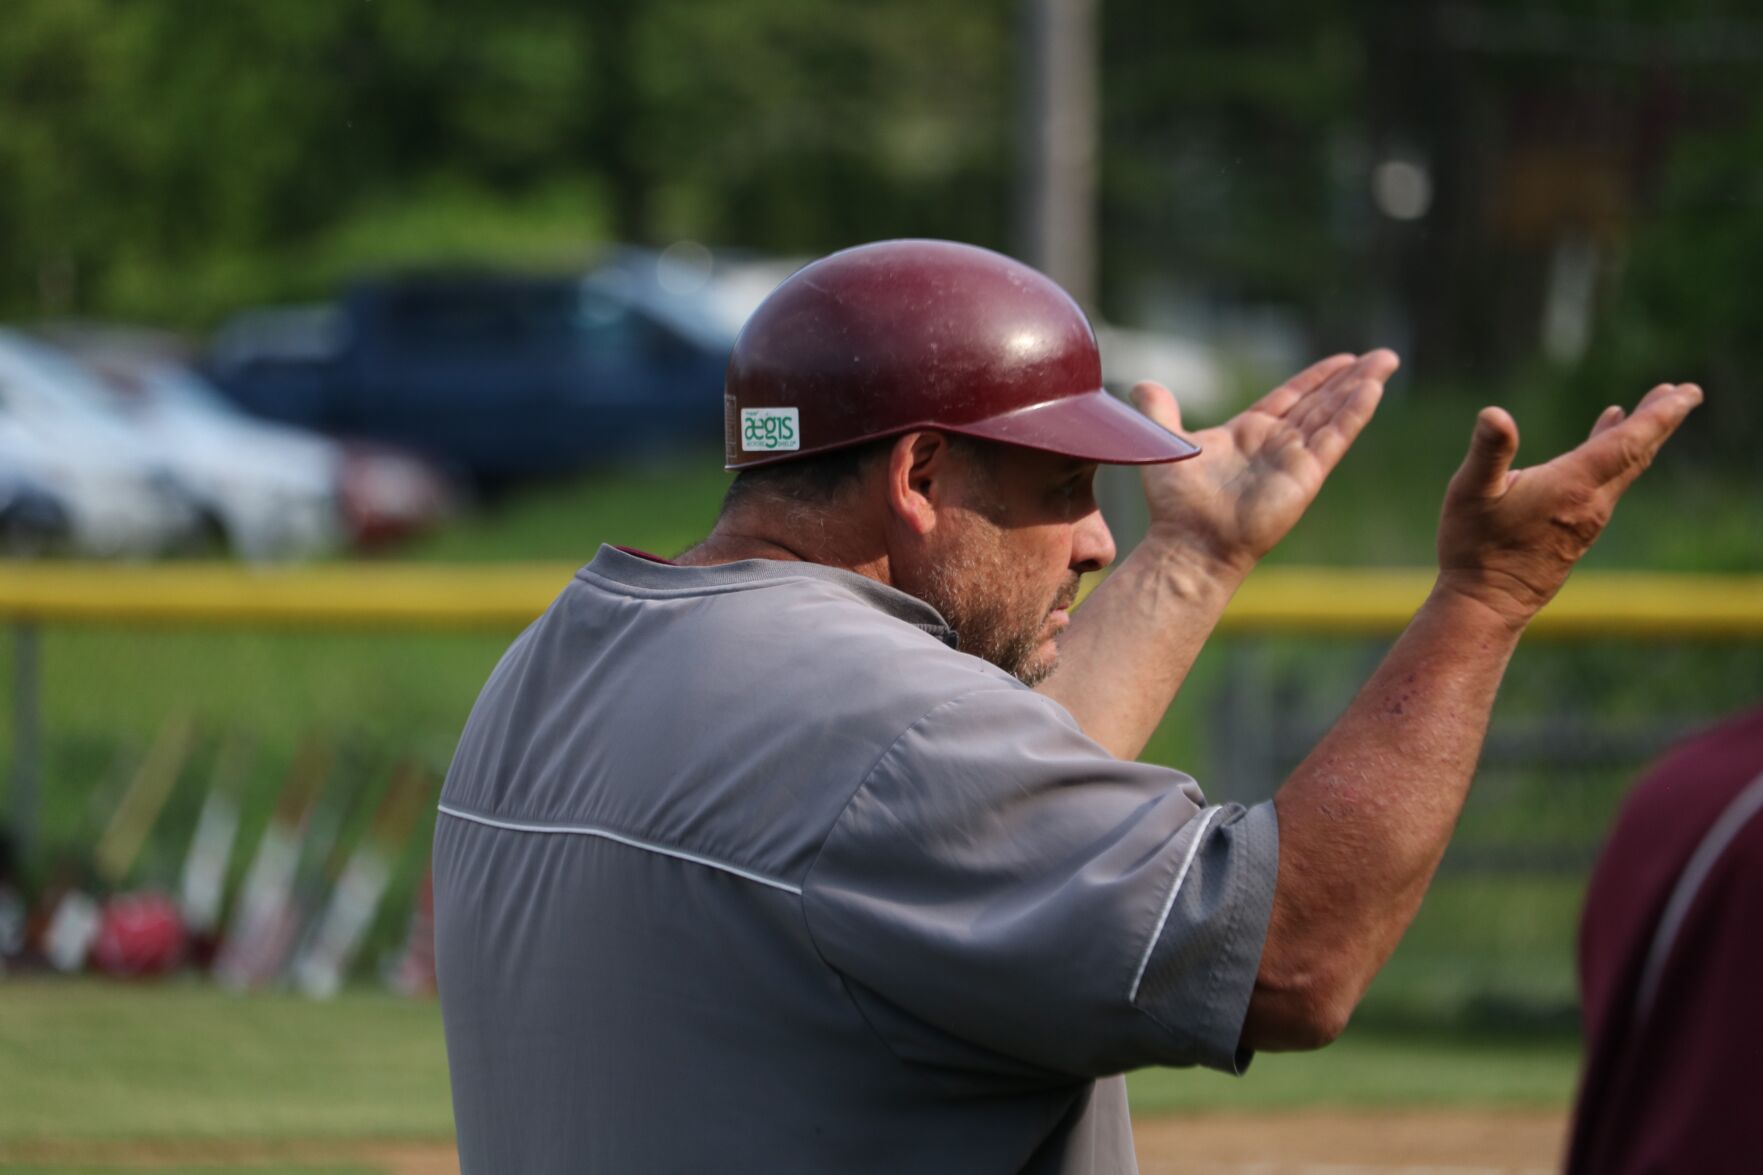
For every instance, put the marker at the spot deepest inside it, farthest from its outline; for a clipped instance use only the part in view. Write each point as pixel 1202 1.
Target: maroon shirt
pixel 1671 969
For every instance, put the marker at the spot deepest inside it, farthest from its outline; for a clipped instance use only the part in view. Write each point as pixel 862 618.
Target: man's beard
pixel 986 605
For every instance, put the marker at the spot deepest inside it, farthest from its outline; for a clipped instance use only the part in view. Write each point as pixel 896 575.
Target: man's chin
pixel 1039 665
pixel 1030 658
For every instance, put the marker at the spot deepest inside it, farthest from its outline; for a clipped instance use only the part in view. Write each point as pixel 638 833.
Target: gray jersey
pixel 746 868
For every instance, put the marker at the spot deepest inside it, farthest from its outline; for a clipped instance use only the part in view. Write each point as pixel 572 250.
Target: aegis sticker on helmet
pixel 883 339
pixel 767 430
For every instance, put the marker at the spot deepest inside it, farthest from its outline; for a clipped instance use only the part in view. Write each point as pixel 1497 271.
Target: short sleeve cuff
pixel 1200 971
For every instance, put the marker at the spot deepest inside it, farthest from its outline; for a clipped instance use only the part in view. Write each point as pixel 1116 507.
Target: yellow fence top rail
pixel 408 595
pixel 1627 604
pixel 505 596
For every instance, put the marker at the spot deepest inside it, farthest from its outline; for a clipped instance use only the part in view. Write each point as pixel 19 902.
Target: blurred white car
pixel 281 491
pixel 33 519
pixel 120 498
pixel 271 492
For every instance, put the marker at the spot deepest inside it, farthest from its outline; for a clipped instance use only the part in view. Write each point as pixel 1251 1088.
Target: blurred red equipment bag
pixel 139 934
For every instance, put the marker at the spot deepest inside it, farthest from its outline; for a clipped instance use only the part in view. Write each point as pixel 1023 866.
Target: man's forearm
pixel 1131 644
pixel 1365 818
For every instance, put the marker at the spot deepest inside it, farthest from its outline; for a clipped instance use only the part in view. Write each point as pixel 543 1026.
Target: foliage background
pixel 172 160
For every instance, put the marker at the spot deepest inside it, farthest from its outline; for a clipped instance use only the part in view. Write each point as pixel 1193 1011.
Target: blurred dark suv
pixel 500 376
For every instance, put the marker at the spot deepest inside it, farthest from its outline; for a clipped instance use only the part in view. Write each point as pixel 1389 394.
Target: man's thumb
pixel 1154 400
pixel 1491 449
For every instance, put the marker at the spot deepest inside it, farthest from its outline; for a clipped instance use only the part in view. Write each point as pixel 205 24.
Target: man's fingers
pixel 1619 452
pixel 1320 406
pixel 1155 401
pixel 1331 440
pixel 1313 376
pixel 1613 415
pixel 1317 408
pixel 1280 400
pixel 1379 364
pixel 1328 377
pixel 1491 449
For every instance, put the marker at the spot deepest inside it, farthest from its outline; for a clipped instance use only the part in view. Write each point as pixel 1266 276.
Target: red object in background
pixel 139 934
pixel 386 495
pixel 414 974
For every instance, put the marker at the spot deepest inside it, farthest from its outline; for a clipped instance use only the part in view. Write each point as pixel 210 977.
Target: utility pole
pixel 1058 151
pixel 1059 115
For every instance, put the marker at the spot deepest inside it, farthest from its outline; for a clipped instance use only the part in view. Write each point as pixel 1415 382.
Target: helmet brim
pixel 1094 426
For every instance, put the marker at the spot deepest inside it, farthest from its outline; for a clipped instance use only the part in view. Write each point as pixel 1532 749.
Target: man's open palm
pixel 1258 472
pixel 1510 536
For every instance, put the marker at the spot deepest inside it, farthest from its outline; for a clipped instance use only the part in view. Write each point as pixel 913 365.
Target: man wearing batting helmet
pixel 821 847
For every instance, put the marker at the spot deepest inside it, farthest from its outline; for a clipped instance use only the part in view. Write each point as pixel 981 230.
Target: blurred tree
pixel 1221 125
pixel 1683 307
pixel 801 127
pixel 1478 181
pixel 170 159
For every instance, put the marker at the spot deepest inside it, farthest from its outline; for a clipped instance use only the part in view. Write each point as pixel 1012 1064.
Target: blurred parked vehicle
pixel 502 376
pixel 271 491
pixel 120 498
pixel 33 518
pixel 280 491
pixel 387 494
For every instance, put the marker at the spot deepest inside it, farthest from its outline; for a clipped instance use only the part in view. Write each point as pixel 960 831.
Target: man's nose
pixel 1092 546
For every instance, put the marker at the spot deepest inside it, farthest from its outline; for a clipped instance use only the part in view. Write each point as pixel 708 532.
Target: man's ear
pixel 918 478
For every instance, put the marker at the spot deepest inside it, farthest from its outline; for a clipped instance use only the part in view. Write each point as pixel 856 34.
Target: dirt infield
pixel 1323 1142
pixel 1307 1142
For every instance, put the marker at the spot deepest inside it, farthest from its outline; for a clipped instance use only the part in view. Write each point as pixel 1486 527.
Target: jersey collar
pixel 649 575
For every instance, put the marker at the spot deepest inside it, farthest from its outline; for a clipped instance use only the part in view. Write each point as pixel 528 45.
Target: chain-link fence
pixel 1575 725
pixel 358 676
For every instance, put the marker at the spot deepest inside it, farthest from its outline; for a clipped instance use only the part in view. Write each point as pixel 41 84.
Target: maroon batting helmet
pixel 886 338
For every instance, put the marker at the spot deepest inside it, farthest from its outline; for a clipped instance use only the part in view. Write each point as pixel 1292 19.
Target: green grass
pixel 662 507
pixel 94 1061
pixel 1367 1069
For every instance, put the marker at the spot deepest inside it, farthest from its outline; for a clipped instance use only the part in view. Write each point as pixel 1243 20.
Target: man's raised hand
pixel 1508 537
pixel 1257 473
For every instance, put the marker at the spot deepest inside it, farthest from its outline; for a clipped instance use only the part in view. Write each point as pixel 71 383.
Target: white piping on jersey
pixel 631 842
pixel 1169 902
pixel 1737 814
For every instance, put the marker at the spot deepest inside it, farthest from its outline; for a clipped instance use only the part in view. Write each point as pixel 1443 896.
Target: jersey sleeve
pixel 1000 890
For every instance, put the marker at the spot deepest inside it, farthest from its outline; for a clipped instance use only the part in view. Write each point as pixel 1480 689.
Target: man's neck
pixel 731 541
pixel 722 547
